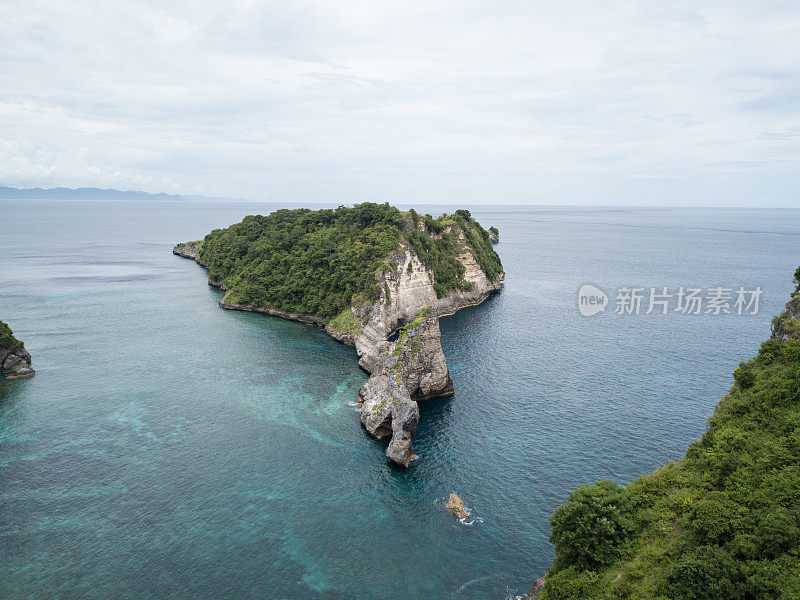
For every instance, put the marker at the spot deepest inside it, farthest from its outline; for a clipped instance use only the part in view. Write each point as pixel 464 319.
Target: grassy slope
pixel 320 261
pixel 722 523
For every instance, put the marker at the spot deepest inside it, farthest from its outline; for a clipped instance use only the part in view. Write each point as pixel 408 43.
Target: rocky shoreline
pixel 15 361
pixel 15 364
pixel 404 371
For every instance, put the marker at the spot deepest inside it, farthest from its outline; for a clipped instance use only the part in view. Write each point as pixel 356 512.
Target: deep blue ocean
pixel 168 448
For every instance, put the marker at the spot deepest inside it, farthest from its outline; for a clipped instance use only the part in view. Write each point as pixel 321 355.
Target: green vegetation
pixel 345 323
pixel 590 528
pixel 438 245
pixel 189 245
pixel 321 261
pixel 723 523
pixel 402 335
pixel 7 339
pixel 787 324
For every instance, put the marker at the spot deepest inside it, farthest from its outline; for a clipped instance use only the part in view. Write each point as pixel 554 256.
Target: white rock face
pixel 416 362
pixel 410 289
pixel 413 366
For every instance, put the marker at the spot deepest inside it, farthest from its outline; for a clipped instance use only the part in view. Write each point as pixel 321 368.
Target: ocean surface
pixel 168 448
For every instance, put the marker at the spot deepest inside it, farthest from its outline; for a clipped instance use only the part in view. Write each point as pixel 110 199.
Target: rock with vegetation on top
pixel 412 367
pixel 456 506
pixel 361 273
pixel 787 324
pixel 15 362
pixel 417 360
pixel 387 409
pixel 189 250
pixel 494 235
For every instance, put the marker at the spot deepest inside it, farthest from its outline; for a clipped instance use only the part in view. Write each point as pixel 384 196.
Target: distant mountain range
pixel 61 193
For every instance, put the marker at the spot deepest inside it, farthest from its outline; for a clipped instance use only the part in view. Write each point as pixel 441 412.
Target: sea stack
pixel 411 368
pixel 456 506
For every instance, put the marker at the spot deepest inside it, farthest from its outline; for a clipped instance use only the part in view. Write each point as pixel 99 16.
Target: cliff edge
pixel 722 523
pixel 15 362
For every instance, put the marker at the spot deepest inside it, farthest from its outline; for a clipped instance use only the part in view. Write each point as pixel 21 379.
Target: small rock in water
pixel 456 506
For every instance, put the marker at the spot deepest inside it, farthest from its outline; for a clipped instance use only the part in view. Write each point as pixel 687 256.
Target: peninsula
pixel 363 274
pixel 15 362
pixel 722 523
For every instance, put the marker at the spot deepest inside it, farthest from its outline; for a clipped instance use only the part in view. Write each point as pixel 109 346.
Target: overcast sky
pixel 664 102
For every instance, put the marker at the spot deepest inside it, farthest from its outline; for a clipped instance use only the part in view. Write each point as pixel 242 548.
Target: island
pixel 15 362
pixel 371 276
pixel 722 523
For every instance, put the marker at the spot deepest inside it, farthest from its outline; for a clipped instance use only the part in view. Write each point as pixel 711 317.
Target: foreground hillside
pixel 723 523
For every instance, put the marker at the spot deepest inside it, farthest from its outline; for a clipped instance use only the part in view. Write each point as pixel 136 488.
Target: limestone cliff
pixel 387 409
pixel 411 368
pixel 405 291
pixel 15 361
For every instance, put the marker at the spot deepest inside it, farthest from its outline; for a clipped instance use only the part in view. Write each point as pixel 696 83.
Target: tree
pixel 590 529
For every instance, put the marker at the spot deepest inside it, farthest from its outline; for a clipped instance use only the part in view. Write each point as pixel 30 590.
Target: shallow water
pixel 170 449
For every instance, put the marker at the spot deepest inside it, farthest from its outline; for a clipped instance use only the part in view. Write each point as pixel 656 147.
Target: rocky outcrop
pixel 15 364
pixel 388 410
pixel 189 250
pixel 405 291
pixel 536 589
pixel 417 360
pixel 456 506
pixel 494 235
pixel 411 368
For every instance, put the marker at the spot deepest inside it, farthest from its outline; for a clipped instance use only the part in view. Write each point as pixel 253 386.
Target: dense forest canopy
pixel 723 523
pixel 7 339
pixel 319 261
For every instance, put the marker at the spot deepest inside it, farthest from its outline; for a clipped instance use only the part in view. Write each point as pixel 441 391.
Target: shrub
pixel 589 530
pixel 715 517
pixel 744 375
pixel 707 573
pixel 572 584
pixel 776 532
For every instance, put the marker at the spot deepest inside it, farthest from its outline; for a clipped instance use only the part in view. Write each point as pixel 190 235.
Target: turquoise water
pixel 170 449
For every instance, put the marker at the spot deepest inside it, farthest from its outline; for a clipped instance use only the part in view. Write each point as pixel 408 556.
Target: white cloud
pixel 566 102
